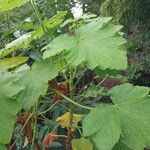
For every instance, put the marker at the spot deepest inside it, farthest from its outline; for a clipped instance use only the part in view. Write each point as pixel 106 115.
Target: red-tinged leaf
pixel 49 139
pixel 61 87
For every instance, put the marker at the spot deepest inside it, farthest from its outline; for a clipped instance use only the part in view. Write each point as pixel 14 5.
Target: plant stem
pixel 80 132
pixel 72 101
pixel 63 136
pixel 39 17
pixel 21 130
pixel 35 123
pixel 79 78
pixel 48 120
pixel 48 108
pixel 69 135
pixel 8 21
pixel 103 80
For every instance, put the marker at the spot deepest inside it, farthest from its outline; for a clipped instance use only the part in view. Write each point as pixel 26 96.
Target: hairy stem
pixel 80 76
pixel 69 135
pixel 35 110
pixel 21 130
pixel 103 80
pixel 8 21
pixel 72 101
pixel 48 108
pixel 39 17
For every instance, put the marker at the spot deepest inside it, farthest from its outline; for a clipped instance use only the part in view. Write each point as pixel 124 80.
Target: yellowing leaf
pixel 26 142
pixel 8 63
pixel 64 120
pixel 81 144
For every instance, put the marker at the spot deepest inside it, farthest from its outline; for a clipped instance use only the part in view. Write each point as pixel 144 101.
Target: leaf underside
pixel 97 44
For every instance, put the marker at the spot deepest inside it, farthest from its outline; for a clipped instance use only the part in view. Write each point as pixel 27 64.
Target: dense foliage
pixel 62 83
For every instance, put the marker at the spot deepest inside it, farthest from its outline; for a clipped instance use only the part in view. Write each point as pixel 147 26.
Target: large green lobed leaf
pixel 36 81
pixel 9 106
pixel 97 44
pixel 126 121
pixel 2 147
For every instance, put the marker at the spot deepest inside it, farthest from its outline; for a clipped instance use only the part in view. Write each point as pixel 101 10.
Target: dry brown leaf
pixel 49 139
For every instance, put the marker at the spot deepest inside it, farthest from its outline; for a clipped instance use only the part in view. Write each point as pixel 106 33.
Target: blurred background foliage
pixel 135 17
